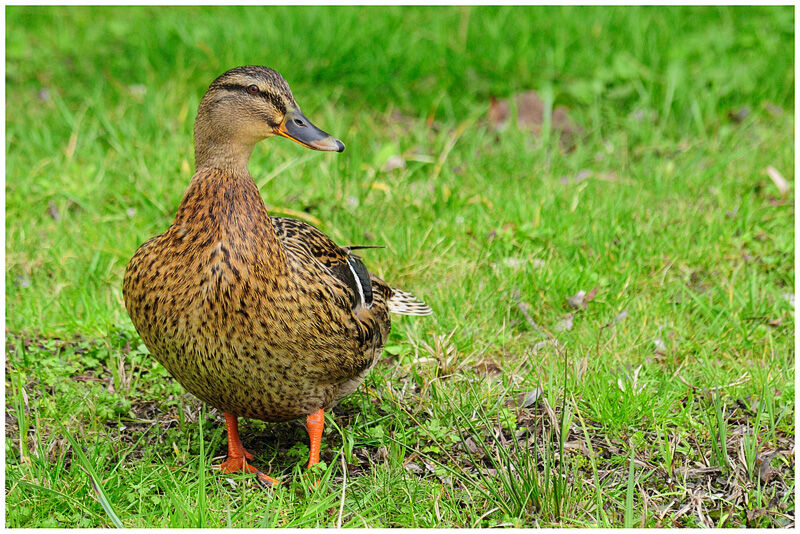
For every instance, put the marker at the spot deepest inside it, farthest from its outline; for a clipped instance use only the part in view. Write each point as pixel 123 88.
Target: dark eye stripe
pixel 271 97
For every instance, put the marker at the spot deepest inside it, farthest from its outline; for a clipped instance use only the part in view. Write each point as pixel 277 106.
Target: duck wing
pixel 347 267
pixel 301 238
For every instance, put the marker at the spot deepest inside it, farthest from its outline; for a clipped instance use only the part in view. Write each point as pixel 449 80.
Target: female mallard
pixel 258 316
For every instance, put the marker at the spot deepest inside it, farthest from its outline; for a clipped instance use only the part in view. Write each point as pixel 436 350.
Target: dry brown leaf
pixel 488 367
pixel 582 298
pixel 499 112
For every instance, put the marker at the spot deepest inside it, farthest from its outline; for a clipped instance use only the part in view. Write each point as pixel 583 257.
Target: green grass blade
pixel 629 493
pixel 97 488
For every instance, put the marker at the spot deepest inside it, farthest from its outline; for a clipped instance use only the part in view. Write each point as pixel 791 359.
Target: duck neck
pixel 217 152
pixel 224 206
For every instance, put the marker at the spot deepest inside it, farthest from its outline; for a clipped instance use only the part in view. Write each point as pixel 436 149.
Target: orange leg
pixel 314 424
pixel 237 455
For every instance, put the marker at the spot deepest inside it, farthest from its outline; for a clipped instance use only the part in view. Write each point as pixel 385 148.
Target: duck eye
pixel 252 89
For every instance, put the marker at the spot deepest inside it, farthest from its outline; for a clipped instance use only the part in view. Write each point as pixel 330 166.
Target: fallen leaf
pixel 774 110
pixel 578 446
pixel 526 400
pixel 576 301
pixel 394 162
pixel 414 468
pixel 499 113
pixel 778 179
pixel 765 470
pixel 739 115
pixel 488 367
pixel 53 211
pixel 383 453
pixel 582 298
pixel 472 447
pixel 564 324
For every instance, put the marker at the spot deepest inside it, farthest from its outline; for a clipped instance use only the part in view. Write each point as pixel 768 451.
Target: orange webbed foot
pixel 239 464
pixel 238 456
pixel 236 464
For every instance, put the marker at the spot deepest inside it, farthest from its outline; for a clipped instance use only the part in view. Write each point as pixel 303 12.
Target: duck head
pixel 244 106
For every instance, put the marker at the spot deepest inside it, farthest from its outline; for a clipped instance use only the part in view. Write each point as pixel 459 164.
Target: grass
pixel 664 396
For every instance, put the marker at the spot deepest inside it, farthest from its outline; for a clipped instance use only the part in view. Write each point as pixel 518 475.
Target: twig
pixel 478 521
pixel 741 380
pixel 523 307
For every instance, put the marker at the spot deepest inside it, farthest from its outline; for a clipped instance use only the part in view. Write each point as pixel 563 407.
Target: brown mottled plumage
pixel 260 317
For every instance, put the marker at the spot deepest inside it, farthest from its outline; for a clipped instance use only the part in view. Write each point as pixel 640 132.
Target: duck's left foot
pixel 238 456
pixel 236 465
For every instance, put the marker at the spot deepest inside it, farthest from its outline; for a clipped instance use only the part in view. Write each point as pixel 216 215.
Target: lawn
pixel 611 268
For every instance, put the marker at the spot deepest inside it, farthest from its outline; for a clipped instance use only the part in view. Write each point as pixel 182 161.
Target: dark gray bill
pixel 297 127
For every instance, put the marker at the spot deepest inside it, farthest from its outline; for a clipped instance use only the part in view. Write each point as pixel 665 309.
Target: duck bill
pixel 298 128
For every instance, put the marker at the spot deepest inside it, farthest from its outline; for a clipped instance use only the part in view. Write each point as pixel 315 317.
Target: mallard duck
pixel 260 317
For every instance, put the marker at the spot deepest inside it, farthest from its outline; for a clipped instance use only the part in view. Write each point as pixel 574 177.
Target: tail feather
pixel 405 303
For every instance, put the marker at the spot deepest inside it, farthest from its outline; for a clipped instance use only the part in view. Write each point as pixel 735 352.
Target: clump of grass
pixel 717 425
